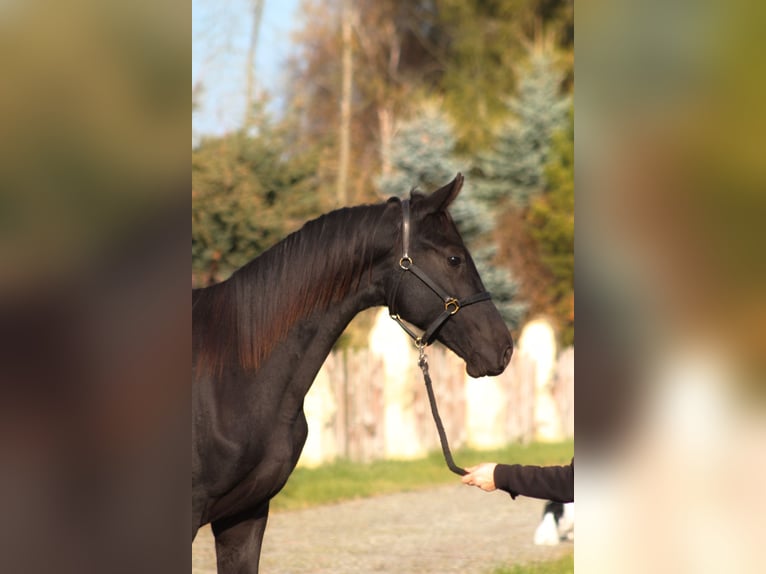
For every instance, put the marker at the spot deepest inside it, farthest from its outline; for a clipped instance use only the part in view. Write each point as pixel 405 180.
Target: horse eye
pixel 454 260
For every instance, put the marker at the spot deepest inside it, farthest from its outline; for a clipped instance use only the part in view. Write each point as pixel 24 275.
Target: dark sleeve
pixel 547 482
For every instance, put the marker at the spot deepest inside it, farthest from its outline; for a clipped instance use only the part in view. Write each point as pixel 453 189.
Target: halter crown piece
pixel 451 306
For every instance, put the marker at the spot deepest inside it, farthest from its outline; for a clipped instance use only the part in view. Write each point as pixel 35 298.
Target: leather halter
pixel 451 304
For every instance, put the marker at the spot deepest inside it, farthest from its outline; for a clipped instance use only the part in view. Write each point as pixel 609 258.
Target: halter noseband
pixel 451 304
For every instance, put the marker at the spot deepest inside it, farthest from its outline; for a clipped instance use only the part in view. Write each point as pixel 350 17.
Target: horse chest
pixel 262 473
pixel 283 450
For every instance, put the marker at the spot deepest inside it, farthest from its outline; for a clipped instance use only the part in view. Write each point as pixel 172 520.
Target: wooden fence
pixel 368 404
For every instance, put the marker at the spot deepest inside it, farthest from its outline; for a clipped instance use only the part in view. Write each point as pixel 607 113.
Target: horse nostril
pixel 507 356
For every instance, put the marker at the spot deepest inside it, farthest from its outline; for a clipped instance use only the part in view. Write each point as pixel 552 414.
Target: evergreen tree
pixel 526 179
pixel 423 156
pixel 551 224
pixel 514 169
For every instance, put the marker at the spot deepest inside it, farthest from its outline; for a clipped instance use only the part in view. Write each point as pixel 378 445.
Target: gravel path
pixel 448 529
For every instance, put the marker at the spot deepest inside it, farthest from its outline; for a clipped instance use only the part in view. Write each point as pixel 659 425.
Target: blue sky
pixel 220 38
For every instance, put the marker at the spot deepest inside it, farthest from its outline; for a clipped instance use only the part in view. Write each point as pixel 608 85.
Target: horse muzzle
pixel 481 366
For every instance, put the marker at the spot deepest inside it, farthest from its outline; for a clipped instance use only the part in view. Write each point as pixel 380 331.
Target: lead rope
pixel 423 364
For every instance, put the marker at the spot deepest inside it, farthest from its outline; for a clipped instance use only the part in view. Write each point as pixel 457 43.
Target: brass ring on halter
pixel 452 306
pixel 405 262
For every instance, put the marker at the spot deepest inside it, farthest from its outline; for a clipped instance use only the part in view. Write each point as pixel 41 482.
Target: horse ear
pixel 440 199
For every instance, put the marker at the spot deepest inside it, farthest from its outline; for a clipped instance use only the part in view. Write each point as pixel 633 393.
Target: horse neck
pixel 318 278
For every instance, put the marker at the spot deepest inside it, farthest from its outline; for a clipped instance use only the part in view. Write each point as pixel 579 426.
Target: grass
pixel 564 565
pixel 344 480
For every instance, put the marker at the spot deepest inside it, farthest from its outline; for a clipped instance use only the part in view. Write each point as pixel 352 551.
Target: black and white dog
pixel 557 524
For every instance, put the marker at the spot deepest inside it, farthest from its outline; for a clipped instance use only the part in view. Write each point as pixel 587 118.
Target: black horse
pixel 261 336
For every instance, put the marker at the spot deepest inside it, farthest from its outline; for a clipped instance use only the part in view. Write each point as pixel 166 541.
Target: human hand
pixel 482 475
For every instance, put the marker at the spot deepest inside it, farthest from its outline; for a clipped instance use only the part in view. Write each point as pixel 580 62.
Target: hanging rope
pixel 423 364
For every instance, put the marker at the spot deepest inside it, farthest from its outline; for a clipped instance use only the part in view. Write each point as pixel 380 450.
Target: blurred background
pixel 670 282
pixel 302 107
pixel 94 303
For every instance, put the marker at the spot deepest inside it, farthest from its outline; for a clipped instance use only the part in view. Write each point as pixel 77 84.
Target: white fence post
pixel 371 403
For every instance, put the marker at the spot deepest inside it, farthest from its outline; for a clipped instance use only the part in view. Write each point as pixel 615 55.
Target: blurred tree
pixel 256 8
pixel 197 91
pixel 484 44
pixel 535 217
pixel 537 241
pixel 314 92
pixel 423 156
pixel 485 41
pixel 404 51
pixel 470 55
pixel 347 21
pixel 395 47
pixel 248 191
pixel 551 223
pixel 514 168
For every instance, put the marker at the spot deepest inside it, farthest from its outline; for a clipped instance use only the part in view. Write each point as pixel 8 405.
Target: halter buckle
pixel 422 359
pixel 452 305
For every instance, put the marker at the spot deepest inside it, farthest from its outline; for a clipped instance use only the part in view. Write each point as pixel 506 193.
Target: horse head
pixel 438 289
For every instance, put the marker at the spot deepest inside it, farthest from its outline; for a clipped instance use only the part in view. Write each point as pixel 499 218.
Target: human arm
pixel 481 475
pixel 547 482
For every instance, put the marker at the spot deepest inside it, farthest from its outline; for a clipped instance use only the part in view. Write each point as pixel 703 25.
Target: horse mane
pixel 239 321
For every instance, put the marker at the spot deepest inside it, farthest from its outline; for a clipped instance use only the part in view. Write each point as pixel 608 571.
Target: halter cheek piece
pixel 451 304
